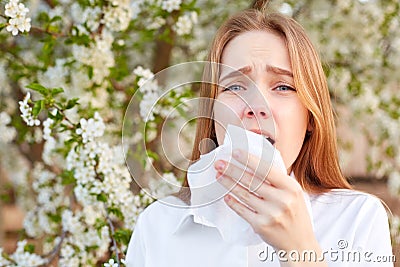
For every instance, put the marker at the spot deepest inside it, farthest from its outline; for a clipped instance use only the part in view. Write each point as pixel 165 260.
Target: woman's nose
pixel 259 112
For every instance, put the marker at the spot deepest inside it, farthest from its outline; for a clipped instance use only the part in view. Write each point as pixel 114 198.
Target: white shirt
pixel 351 228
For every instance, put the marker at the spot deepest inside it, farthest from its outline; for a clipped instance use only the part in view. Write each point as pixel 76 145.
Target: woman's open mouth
pixel 265 134
pixel 272 141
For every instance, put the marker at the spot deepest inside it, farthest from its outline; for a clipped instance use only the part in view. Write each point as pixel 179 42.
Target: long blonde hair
pixel 316 167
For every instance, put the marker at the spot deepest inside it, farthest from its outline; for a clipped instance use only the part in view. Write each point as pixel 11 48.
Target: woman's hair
pixel 316 167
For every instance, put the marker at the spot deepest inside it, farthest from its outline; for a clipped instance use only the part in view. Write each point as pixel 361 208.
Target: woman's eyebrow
pixel 279 71
pixel 247 69
pixel 238 72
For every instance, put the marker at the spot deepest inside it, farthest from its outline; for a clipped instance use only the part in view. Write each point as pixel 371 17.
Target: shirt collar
pixel 186 218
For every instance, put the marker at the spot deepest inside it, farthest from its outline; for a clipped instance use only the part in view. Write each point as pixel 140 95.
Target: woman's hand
pixel 272 202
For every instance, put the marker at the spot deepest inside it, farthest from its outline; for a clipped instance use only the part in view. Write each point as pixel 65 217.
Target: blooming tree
pixel 68 70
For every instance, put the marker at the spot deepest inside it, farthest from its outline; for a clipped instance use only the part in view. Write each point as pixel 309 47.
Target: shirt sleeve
pixel 136 253
pixel 372 237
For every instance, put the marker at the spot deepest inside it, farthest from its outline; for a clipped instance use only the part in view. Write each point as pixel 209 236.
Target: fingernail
pixel 219 165
pixel 236 153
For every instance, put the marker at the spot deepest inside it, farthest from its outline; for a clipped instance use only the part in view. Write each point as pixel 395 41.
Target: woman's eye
pixel 285 88
pixel 234 87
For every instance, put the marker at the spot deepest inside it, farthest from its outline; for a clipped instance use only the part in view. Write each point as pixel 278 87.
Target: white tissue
pixel 208 206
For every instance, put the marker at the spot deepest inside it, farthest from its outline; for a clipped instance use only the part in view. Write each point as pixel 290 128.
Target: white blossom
pixel 155 23
pixel 143 73
pixel 98 55
pixel 167 185
pixel 148 86
pixel 92 128
pixel 117 17
pixel 136 8
pixel 71 223
pixel 83 195
pixel 77 14
pixel 185 23
pixel 92 212
pixel 26 112
pixel 147 106
pixel 49 154
pixel 89 16
pixel 67 251
pixel 7 133
pixel 31 225
pixel 18 21
pixel 46 128
pixel 82 237
pixel 170 5
pixel 50 197
pixel 111 263
pixel 15 9
pixel 25 258
pixel 55 76
pixel 79 81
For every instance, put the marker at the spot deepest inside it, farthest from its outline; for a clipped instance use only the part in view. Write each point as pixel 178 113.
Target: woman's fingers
pixel 248 180
pixel 249 199
pixel 242 210
pixel 259 212
pixel 264 170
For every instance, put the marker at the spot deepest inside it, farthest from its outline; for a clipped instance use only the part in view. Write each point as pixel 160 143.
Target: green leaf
pixel 48 46
pixel 54 217
pixel 37 107
pixel 90 72
pixel 29 248
pixel 56 18
pixel 2 26
pixel 152 155
pixel 122 236
pixel 59 117
pixel 67 177
pixel 38 88
pixel 117 212
pixel 44 17
pixel 72 103
pixel 69 142
pixel 56 91
pixel 102 197
pixel 99 224
pixel 79 40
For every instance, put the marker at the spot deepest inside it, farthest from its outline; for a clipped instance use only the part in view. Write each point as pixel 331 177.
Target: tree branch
pixel 52 254
pixel 112 236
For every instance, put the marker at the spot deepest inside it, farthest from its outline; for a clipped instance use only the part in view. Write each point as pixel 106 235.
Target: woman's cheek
pixel 291 133
pixel 225 112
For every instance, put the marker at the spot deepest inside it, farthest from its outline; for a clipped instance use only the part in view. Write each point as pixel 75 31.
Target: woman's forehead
pixel 255 49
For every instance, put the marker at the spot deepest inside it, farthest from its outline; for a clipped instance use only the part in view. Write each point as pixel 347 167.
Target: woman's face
pixel 270 97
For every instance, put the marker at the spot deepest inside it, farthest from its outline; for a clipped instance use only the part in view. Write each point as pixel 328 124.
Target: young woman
pixel 343 228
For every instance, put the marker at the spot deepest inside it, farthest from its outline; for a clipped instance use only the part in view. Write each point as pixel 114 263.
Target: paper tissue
pixel 207 204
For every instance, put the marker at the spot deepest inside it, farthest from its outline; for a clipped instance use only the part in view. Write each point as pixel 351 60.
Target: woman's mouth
pixel 266 135
pixel 272 141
